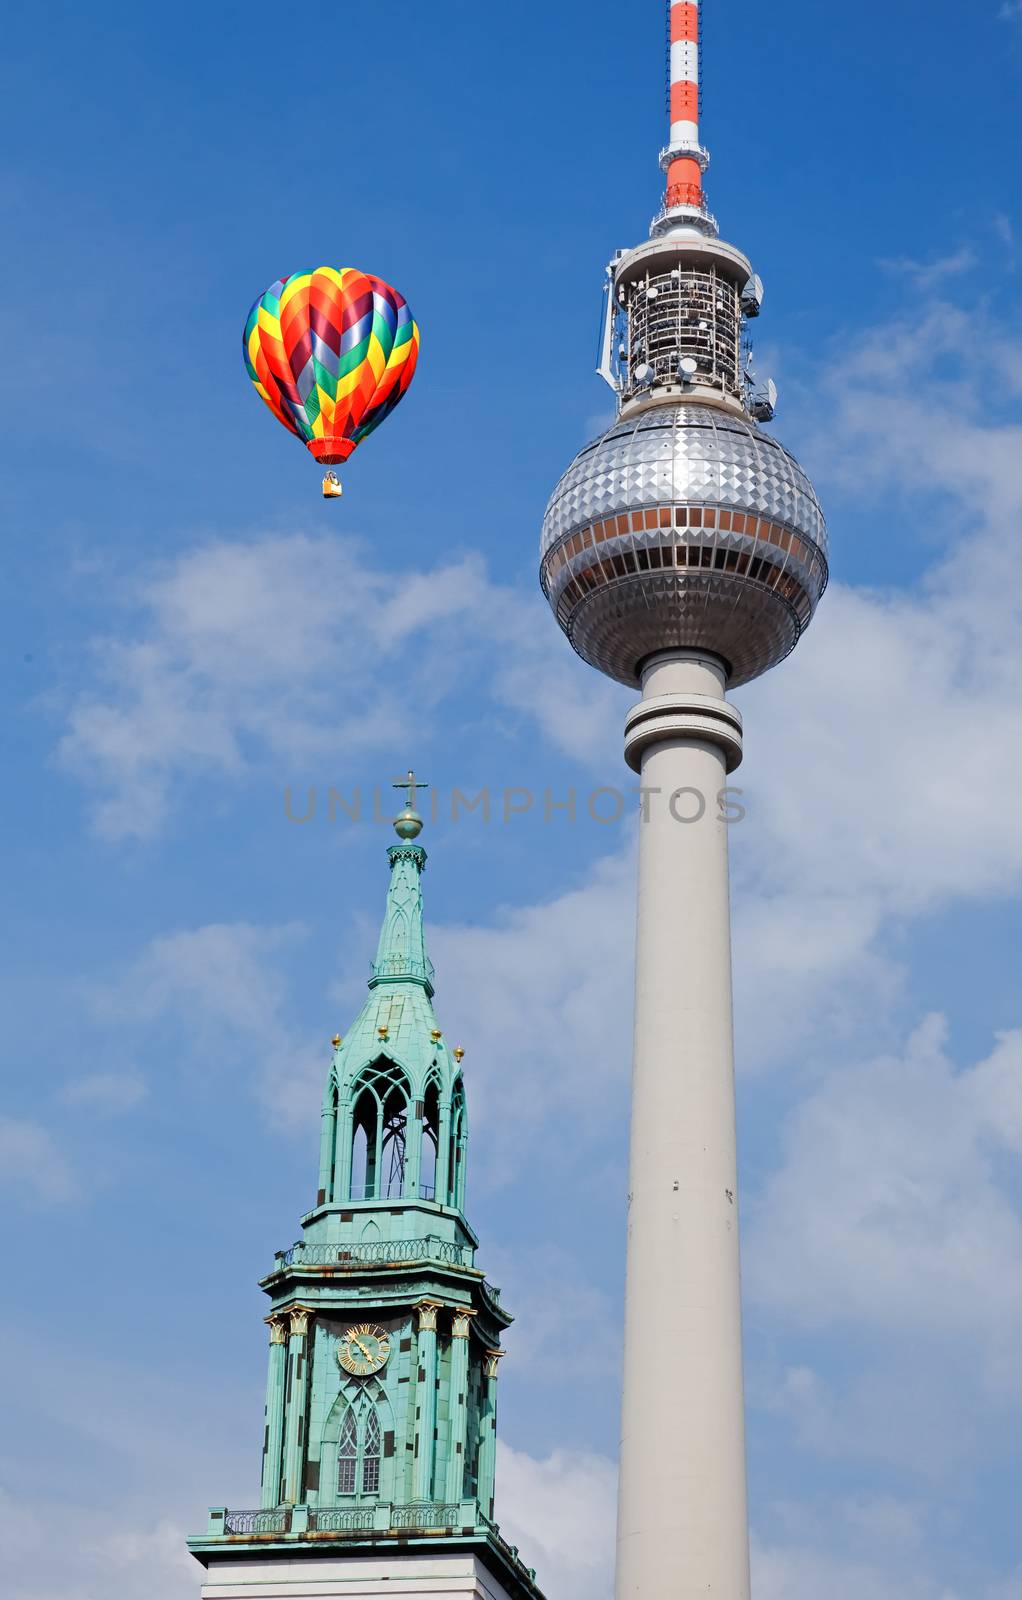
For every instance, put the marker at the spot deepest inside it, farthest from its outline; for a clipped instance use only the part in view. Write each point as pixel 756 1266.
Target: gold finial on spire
pixel 409 824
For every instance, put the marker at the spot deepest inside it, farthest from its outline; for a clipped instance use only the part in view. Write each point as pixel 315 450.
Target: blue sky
pixel 191 630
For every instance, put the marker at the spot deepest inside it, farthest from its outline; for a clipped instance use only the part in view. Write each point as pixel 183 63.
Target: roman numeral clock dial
pixel 363 1350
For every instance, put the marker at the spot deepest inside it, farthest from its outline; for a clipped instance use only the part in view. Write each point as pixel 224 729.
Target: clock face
pixel 363 1350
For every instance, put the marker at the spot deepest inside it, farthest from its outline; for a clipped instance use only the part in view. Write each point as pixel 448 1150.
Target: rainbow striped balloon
pixel 331 352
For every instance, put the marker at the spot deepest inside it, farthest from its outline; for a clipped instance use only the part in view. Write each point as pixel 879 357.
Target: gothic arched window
pixel 371 1444
pixel 359 1448
pixel 347 1454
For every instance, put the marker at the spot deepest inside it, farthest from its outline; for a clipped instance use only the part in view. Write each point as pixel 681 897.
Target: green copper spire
pixel 401 955
pixel 394 1120
pixel 380 1422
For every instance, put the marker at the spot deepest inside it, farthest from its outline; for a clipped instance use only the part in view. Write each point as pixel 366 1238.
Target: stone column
pixel 414 1136
pixel 328 1151
pixel 425 1399
pixel 297 1389
pixel 273 1442
pixel 343 1134
pixel 458 1405
pixel 487 1472
pixel 443 1152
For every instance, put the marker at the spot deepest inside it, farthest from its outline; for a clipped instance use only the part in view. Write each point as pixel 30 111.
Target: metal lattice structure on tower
pixel 685 551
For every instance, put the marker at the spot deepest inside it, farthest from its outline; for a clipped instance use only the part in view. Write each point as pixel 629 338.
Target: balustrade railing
pixel 426 1516
pixel 393 1189
pixel 377 1252
pixel 341 1519
pixel 278 1521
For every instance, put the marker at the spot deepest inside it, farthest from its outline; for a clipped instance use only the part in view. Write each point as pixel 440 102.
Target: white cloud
pixel 541 994
pixel 797 1573
pixel 144 1555
pixel 281 650
pixel 553 1300
pixel 96 1552
pixel 888 1210
pixel 561 1513
pixel 32 1164
pixel 928 274
pixel 225 985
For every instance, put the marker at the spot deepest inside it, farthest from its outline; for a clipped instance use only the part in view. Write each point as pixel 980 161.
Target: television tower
pixel 683 551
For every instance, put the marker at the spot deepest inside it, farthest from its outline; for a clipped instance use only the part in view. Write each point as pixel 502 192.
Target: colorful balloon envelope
pixel 331 352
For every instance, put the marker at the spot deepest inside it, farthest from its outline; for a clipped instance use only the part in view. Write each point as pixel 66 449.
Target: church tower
pixel 379 1439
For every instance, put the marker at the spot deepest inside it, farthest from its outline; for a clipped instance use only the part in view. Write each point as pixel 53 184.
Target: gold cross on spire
pixel 411 785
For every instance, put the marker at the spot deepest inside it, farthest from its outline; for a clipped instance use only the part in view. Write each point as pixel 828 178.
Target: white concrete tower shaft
pixel 682 1512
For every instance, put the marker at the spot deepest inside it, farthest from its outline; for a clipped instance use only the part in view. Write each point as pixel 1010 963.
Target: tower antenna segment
pixel 685 160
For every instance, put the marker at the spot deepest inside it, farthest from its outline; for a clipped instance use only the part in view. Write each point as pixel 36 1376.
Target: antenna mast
pixel 685 160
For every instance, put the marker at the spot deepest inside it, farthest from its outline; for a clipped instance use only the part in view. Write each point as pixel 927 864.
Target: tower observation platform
pixel 379 1432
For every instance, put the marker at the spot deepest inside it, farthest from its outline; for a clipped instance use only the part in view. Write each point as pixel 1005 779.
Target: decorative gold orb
pixel 408 825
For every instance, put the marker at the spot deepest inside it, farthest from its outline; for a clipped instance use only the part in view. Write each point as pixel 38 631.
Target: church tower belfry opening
pixel 379 1436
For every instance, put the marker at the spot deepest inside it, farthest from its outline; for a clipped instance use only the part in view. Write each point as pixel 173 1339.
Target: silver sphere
pixel 684 527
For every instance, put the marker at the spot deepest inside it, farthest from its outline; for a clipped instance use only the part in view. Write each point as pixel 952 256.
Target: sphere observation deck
pixel 685 526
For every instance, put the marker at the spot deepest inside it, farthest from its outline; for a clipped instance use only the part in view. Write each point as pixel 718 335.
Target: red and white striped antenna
pixel 685 160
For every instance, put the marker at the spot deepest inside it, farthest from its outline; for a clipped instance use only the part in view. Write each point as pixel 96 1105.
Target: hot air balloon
pixel 331 352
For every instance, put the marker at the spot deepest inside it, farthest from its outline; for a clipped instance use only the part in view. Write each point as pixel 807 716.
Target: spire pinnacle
pixel 401 955
pixel 409 824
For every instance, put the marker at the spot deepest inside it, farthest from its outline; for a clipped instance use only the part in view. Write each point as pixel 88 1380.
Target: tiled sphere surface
pixel 684 526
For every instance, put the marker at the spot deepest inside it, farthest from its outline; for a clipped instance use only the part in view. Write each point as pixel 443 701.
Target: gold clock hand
pixel 363 1349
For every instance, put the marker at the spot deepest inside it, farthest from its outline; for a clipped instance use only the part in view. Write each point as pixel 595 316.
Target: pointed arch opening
pixel 372 1448
pixel 347 1454
pixel 379 1133
pixel 428 1160
pixel 395 1143
pixel 457 1145
pixel 364 1147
